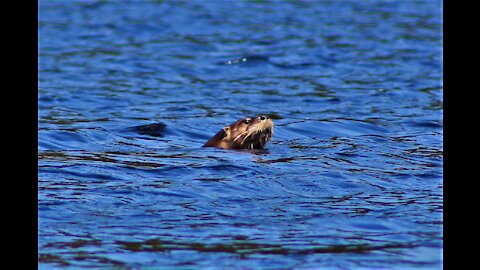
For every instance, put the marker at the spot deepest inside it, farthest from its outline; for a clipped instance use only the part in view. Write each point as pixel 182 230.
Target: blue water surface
pixel 351 180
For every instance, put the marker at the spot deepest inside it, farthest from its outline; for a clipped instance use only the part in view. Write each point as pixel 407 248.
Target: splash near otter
pixel 246 133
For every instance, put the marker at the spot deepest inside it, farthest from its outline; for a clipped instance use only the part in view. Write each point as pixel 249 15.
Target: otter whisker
pixel 239 135
pixel 248 135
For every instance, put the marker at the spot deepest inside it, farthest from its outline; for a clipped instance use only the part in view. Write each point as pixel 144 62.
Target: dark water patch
pixel 74 244
pixel 245 248
pixel 51 258
pixel 155 129
pixel 82 258
pixel 425 152
pixel 282 160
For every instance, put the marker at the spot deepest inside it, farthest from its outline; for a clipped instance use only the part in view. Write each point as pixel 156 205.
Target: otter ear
pixel 226 132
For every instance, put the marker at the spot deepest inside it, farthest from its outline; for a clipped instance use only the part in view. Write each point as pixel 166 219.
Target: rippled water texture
pixel 351 180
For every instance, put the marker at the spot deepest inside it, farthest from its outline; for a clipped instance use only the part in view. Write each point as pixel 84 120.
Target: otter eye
pixel 263 117
pixel 247 121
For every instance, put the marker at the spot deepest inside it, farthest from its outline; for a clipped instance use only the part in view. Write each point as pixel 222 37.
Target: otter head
pixel 246 133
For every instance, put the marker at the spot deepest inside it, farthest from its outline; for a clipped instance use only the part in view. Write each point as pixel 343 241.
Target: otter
pixel 246 133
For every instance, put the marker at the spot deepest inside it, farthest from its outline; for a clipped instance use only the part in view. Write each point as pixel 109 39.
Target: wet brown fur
pixel 246 133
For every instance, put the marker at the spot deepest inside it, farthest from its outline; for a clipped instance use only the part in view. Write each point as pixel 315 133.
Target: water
pixel 351 180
